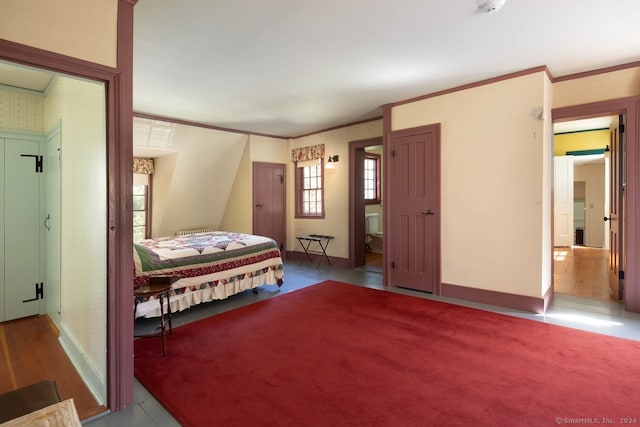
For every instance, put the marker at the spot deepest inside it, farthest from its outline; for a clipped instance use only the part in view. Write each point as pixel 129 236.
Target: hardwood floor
pixel 373 259
pixel 582 271
pixel 31 352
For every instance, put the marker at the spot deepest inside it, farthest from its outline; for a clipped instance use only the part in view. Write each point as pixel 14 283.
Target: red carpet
pixel 341 355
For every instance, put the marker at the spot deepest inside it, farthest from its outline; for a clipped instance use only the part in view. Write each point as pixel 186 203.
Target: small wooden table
pixel 321 240
pixel 158 289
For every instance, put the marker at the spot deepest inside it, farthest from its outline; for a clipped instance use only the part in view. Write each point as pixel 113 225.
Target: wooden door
pixel 269 201
pixel 415 209
pixel 616 207
pixel 23 288
pixel 563 201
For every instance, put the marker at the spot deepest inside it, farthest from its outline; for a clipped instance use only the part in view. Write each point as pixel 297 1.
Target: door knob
pixel 428 212
pixel 606 219
pixel 259 205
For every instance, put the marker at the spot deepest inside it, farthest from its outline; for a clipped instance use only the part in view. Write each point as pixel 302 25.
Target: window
pixel 309 190
pixel 371 179
pixel 140 212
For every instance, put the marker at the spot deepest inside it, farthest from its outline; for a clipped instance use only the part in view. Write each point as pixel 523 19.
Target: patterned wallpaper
pixel 21 111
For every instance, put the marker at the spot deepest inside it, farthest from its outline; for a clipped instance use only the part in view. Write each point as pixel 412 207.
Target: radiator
pixel 194 231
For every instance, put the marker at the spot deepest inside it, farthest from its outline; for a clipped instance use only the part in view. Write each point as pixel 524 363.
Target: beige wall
pixel 78 106
pixel 77 28
pixel 205 180
pixel 496 177
pixel 599 87
pixel 85 30
pixel 336 188
pixel 238 214
pixel 493 183
pixel 193 182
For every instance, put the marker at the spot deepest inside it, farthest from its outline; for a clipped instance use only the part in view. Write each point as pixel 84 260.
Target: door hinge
pixel 393 153
pixel 38 159
pixel 621 128
pixel 393 264
pixel 621 274
pixel 39 293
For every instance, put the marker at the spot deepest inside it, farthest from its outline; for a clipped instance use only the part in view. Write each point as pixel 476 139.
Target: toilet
pixel 373 234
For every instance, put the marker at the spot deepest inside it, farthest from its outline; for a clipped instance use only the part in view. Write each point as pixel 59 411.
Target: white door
pixel 52 225
pixel 563 200
pixel 22 283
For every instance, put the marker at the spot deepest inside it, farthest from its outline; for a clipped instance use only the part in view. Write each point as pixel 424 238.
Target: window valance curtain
pixel 305 154
pixel 143 166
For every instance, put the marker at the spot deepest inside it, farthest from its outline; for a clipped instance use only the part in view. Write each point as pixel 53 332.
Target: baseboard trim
pixel 316 259
pixel 501 299
pixel 84 367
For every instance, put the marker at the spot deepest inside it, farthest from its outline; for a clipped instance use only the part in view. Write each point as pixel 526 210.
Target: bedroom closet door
pixel 269 201
pixel 414 170
pixel 21 287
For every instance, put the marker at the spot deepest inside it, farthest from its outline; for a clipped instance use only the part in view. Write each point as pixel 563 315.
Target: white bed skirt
pixel 205 292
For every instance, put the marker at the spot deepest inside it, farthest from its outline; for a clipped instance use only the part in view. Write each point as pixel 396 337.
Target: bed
pixel 211 266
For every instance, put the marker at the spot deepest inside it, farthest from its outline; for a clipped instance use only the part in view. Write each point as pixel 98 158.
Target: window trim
pixel 147 208
pixel 377 158
pixel 299 188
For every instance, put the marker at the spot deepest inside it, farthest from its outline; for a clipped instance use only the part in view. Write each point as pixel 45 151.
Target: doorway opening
pixel 584 187
pixel 63 119
pixel 366 204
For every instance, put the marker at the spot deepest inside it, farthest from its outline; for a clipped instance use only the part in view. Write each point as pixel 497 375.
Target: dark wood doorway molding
pixel 119 141
pixel 356 199
pixel 630 107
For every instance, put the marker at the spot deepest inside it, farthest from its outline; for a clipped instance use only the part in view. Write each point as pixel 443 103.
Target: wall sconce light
pixel 331 160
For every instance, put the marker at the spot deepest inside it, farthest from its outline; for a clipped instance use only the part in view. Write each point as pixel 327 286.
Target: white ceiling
pixel 291 67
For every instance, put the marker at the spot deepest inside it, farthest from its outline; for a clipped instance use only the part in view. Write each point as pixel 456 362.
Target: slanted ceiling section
pixel 194 175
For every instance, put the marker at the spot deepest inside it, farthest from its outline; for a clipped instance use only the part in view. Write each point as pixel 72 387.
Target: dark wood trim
pixel 148 208
pixel 119 141
pixel 387 116
pixel 297 186
pixel 500 299
pixel 346 125
pixel 34 57
pixel 203 125
pixel 317 260
pixel 596 72
pixel 356 203
pixel 406 101
pixel 378 162
pixel 547 298
pixel 119 137
pixel 120 217
pixel 477 84
pixel 244 132
pixel 630 107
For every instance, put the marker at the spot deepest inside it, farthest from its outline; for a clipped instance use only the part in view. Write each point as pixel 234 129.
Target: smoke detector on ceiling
pixel 490 6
